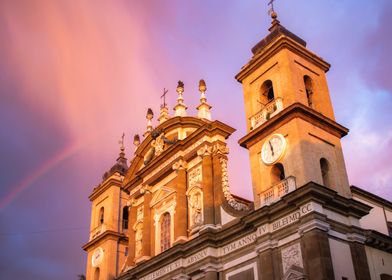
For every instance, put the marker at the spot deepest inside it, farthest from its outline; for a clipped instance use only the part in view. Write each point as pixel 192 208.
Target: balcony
pixel 274 193
pixel 267 111
pixel 97 231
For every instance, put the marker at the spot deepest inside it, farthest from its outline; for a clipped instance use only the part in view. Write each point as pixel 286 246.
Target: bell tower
pixel 292 135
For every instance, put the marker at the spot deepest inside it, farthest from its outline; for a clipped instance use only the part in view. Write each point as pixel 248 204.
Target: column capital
pixel 211 267
pixel 220 149
pixel 204 151
pixel 180 165
pixel 145 189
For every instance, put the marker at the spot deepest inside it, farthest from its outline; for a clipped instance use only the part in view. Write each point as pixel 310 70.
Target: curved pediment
pixel 167 139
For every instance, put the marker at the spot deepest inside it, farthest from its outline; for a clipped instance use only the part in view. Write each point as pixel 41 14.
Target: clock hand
pixel 272 149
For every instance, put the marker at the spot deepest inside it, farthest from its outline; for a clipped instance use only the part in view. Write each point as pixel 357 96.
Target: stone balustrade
pixel 97 231
pixel 267 111
pixel 274 193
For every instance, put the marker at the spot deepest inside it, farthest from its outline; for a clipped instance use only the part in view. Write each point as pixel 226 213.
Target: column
pixel 208 188
pixel 180 217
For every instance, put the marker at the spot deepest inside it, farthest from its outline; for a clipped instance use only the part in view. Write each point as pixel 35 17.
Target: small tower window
pixel 325 172
pixel 309 90
pixel 96 274
pixel 101 215
pixel 125 218
pixel 267 92
pixel 165 232
pixel 277 173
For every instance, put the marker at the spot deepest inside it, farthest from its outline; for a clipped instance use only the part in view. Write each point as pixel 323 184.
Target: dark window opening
pixel 125 218
pixel 325 172
pixel 277 173
pixel 101 215
pixel 309 90
pixel 267 92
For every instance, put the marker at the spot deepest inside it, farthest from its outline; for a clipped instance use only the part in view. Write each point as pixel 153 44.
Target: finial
pixel 149 117
pixel 180 108
pixel 203 108
pixel 121 142
pixel 136 141
pixel 164 113
pixel 202 86
pixel 273 14
pixel 180 87
pixel 122 148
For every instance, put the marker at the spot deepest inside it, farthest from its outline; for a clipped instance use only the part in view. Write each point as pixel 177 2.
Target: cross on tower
pixel 271 10
pixel 121 142
pixel 165 91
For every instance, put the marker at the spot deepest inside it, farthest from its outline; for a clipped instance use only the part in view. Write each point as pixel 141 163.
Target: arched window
pixel 165 232
pixel 325 172
pixel 267 92
pixel 277 173
pixel 125 218
pixel 96 274
pixel 309 90
pixel 101 216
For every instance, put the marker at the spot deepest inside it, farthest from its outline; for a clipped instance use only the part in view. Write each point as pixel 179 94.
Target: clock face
pixel 97 257
pixel 273 148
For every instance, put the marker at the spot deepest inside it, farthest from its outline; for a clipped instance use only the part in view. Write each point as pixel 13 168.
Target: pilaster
pixel 131 234
pixel 146 251
pixel 269 260
pixel 180 218
pixel 317 255
pixel 208 188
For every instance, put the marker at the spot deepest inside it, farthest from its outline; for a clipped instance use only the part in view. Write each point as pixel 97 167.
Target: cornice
pixel 110 182
pixel 108 234
pixel 296 110
pixel 282 42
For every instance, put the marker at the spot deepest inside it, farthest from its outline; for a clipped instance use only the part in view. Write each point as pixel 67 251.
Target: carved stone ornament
pixel 139 240
pixel 139 213
pixel 226 188
pixel 220 149
pixel 181 164
pixel 194 177
pixel 145 189
pixel 291 256
pixel 195 202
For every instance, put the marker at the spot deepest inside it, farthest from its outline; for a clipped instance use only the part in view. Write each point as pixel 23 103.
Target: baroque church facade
pixel 169 213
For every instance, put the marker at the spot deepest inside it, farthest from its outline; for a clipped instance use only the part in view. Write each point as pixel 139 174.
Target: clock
pixel 273 148
pixel 97 257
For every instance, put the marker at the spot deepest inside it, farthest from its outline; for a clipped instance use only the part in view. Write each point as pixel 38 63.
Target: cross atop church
pixel 271 10
pixel 121 142
pixel 165 91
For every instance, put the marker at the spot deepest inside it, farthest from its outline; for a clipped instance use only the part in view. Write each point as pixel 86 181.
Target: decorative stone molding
pixel 211 267
pixel 269 244
pixel 139 214
pixel 313 224
pixel 180 165
pixel 145 189
pixel 355 237
pixel 194 177
pixel 139 240
pixel 291 256
pixel 226 188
